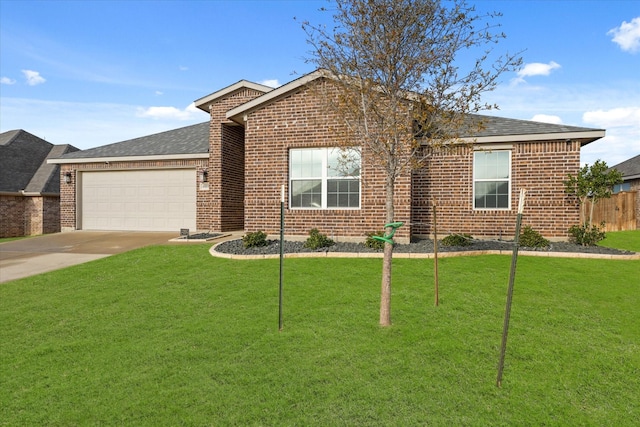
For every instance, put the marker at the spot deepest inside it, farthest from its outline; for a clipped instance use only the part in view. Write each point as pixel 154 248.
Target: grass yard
pixel 169 335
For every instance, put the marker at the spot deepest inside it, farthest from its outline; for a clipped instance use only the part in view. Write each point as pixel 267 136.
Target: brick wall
pixel 68 219
pixel 224 208
pixel 12 218
pixel 29 215
pixel 539 167
pixel 298 121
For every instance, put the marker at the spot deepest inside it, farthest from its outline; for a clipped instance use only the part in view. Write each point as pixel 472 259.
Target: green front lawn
pixel 169 335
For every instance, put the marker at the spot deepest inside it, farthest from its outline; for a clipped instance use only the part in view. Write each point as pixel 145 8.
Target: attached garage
pixel 137 200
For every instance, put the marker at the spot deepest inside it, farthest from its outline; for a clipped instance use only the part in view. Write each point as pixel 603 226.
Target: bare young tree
pixel 404 80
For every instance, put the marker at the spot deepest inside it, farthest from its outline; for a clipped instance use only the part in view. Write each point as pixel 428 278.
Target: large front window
pixel 492 179
pixel 324 178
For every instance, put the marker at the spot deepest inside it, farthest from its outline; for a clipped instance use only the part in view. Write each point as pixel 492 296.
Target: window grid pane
pixel 343 193
pixel 491 179
pixel 311 173
pixel 306 193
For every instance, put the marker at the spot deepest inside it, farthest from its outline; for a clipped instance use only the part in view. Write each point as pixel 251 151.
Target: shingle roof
pixel 23 163
pixel 629 168
pixel 47 177
pixel 192 139
pixel 501 126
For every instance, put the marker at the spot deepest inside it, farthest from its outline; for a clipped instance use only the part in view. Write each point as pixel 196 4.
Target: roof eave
pixel 129 158
pixel 585 137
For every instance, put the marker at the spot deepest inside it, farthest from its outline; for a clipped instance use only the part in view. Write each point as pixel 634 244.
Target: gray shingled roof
pixel 23 163
pixel 192 139
pixel 629 168
pixel 500 126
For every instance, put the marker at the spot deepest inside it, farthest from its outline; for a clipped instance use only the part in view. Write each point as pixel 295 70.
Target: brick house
pixel 29 186
pixel 258 139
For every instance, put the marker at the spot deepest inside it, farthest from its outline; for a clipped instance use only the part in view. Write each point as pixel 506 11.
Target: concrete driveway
pixel 35 255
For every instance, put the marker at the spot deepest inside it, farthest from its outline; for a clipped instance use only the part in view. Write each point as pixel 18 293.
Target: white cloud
pixel 627 35
pixel 183 68
pixel 7 81
pixel 615 117
pixel 171 113
pixel 623 135
pixel 159 92
pixel 270 83
pixel 547 118
pixel 83 124
pixel 535 69
pixel 33 77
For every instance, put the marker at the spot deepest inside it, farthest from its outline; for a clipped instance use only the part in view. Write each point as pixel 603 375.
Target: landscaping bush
pixel 530 238
pixel 586 235
pixel 374 243
pixel 317 240
pixel 255 239
pixel 457 240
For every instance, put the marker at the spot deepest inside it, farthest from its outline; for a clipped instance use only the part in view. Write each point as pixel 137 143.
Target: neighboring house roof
pixel 186 142
pixel 630 169
pixel 496 129
pixel 23 163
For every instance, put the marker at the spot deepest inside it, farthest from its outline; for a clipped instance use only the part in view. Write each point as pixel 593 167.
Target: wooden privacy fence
pixel 618 212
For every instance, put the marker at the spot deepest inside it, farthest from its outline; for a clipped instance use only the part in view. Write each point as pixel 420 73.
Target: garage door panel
pixel 148 200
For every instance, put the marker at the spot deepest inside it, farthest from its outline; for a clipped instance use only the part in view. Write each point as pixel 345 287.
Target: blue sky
pixel 90 73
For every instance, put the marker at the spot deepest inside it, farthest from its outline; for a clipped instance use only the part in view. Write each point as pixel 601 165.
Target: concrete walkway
pixel 35 255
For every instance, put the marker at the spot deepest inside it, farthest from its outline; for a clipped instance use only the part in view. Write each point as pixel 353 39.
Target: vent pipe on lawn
pixel 507 312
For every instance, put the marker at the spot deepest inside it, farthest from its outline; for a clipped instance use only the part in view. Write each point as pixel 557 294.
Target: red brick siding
pixel 68 202
pixel 29 215
pixel 539 167
pixel 232 197
pixel 226 165
pixel 298 121
pixel 12 216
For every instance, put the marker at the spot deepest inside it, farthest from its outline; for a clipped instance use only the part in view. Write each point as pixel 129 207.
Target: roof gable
pixel 205 102
pixel 495 129
pixel 237 114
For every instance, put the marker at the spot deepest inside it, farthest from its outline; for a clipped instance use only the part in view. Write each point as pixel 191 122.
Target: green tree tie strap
pixel 388 237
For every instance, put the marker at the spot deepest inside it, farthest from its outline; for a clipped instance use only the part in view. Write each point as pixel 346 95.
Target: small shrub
pixel 530 238
pixel 457 240
pixel 255 239
pixel 374 243
pixel 317 240
pixel 585 235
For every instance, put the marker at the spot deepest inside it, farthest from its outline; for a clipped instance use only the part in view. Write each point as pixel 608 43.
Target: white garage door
pixel 142 200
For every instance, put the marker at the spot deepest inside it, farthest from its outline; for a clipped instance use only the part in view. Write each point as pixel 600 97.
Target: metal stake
pixel 281 258
pixel 507 314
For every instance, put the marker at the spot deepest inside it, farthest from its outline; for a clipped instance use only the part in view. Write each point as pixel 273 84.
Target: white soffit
pixel 592 135
pixel 130 158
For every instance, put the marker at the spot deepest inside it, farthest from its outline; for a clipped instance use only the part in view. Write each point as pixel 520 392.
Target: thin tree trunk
pixel 385 293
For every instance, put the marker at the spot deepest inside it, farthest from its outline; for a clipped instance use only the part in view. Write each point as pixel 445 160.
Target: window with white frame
pixel 492 179
pixel 324 178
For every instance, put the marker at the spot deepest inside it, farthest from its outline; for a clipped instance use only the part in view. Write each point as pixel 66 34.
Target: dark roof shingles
pixel 192 139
